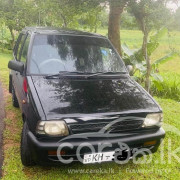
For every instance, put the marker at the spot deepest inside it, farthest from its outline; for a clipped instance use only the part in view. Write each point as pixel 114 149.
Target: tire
pixel 14 98
pixel 10 84
pixel 26 157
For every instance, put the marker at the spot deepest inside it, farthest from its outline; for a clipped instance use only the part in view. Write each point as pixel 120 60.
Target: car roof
pixel 59 31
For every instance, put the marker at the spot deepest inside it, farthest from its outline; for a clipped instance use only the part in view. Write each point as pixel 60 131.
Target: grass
pixel 13 168
pixel 169 87
pixel 3 68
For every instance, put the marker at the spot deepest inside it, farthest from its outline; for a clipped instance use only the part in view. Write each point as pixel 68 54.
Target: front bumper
pixel 40 149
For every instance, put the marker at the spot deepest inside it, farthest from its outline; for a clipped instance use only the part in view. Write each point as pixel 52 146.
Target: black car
pixel 75 95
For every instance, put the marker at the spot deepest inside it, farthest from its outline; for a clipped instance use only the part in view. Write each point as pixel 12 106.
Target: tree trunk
pixel 64 20
pixel 13 37
pixel 116 9
pixel 148 61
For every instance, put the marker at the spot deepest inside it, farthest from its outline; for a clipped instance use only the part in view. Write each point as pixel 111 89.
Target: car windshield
pixel 52 54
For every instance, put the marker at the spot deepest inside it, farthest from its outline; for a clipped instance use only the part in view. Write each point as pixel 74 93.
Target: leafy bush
pixel 136 59
pixel 5 38
pixel 168 88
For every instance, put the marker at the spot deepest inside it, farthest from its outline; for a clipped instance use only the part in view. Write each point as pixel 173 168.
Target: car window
pixel 24 51
pixel 20 46
pixel 54 53
pixel 17 45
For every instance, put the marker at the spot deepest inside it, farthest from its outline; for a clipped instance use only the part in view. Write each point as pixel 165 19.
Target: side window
pixel 17 46
pixel 24 51
pixel 20 46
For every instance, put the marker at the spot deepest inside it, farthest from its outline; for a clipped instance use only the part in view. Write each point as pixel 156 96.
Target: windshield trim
pixel 78 35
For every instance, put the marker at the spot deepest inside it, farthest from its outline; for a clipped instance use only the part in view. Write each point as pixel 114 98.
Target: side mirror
pixel 16 66
pixel 130 69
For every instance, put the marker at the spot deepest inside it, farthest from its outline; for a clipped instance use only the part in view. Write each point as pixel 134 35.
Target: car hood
pixel 74 97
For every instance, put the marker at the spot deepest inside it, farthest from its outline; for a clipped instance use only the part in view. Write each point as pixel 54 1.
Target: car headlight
pixel 52 128
pixel 154 119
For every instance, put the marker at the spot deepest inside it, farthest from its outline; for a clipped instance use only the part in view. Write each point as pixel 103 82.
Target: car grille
pixel 115 128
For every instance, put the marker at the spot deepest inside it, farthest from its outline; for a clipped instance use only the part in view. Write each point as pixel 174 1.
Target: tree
pixel 128 21
pixel 91 19
pixel 176 23
pixel 17 14
pixel 116 9
pixel 67 13
pixel 87 11
pixel 56 13
pixel 61 13
pixel 103 18
pixel 150 14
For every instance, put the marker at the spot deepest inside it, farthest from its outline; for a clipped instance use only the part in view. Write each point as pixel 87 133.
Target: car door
pixel 22 57
pixel 15 74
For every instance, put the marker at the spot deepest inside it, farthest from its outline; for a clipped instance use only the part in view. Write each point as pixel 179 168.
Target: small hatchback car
pixel 78 101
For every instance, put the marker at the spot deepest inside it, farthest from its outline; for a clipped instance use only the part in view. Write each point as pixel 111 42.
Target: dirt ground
pixel 2 115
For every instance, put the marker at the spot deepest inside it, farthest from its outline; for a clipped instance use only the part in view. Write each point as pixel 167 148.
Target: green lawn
pixel 13 168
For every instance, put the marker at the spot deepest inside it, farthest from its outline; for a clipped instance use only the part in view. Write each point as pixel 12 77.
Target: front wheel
pixel 26 157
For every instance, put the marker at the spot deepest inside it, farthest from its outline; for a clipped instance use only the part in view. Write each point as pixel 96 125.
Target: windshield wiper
pixel 62 73
pixel 105 73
